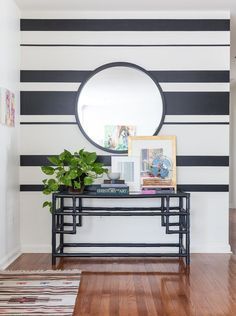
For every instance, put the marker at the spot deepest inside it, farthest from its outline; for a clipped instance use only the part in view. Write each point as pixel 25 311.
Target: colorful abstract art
pixel 116 136
pixel 7 107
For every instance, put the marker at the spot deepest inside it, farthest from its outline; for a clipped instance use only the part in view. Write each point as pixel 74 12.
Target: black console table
pixel 68 211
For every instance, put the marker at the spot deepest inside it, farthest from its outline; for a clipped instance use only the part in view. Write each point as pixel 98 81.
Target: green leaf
pixel 81 152
pixel 65 156
pixel 47 203
pixel 98 168
pixel 54 160
pixel 60 173
pixel 51 181
pixel 74 161
pixel 72 174
pixel 91 157
pixel 66 181
pixel 77 185
pixel 53 185
pixel 79 172
pixel 47 191
pixel 48 170
pixel 88 180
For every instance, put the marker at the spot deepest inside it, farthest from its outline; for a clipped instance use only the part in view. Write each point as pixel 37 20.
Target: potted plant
pixel 71 171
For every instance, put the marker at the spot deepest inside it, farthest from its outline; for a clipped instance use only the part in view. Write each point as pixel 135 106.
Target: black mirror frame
pixel 110 65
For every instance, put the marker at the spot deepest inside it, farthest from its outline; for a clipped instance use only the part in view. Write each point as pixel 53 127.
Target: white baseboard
pixel 211 249
pixel 36 249
pixel 8 259
pixel 194 249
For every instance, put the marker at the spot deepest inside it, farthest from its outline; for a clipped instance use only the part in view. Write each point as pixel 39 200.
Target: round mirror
pixel 117 101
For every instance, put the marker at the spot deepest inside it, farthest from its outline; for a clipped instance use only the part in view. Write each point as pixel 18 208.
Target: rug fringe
pixel 59 271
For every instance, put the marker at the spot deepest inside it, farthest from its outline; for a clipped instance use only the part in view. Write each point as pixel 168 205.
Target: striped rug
pixel 51 292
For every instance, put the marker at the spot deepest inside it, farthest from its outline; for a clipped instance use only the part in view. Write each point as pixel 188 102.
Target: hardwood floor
pixel 149 287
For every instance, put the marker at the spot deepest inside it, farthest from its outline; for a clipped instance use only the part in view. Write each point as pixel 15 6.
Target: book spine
pixel 120 186
pixel 112 191
pixel 114 181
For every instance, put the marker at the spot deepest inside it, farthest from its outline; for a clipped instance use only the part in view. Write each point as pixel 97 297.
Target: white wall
pixel 9 154
pixel 232 191
pixel 201 134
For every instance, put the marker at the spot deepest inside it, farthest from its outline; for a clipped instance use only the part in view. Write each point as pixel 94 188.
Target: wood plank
pixel 149 286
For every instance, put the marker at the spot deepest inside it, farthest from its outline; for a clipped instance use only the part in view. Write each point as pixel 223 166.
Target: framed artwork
pixel 129 168
pixel 116 136
pixel 2 106
pixel 12 110
pixel 157 160
pixel 7 107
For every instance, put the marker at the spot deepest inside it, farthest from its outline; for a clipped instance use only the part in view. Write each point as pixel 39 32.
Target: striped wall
pixel 190 59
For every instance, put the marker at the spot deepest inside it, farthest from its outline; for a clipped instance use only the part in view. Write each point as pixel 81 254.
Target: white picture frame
pixel 129 168
pixel 167 144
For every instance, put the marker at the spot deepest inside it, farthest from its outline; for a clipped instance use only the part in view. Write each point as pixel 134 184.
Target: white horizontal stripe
pixel 47 118
pixel 43 139
pixel 191 139
pixel 195 86
pixel 168 118
pixel 203 140
pixel 185 175
pixel 197 118
pixel 126 37
pixel 203 175
pixel 49 86
pixel 166 86
pixel 34 175
pixel 127 14
pixel 158 58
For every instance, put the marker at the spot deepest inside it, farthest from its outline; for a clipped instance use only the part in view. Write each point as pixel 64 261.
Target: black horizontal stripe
pixel 41 160
pixel 188 123
pixel 188 161
pixel 207 161
pixel 48 103
pixel 125 25
pixel 182 187
pixel 161 76
pixel 48 123
pixel 197 103
pixel 124 45
pixel 203 187
pixel 54 75
pixel 177 103
pixel 165 123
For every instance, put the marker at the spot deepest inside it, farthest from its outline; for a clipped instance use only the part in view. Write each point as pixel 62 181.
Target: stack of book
pixel 156 182
pixel 117 187
pixel 157 185
pixel 150 190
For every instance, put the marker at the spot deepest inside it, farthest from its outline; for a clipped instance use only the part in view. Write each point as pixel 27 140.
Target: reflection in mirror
pixel 116 102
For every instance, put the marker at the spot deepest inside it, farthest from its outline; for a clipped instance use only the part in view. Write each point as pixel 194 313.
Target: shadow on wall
pixel 232 229
pixel 232 173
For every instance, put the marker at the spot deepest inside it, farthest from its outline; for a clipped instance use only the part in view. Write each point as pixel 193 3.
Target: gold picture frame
pixel 157 160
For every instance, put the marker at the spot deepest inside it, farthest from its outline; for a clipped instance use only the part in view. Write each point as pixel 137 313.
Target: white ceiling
pixel 139 5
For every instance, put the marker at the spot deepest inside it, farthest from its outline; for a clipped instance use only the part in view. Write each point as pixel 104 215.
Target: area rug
pixel 51 292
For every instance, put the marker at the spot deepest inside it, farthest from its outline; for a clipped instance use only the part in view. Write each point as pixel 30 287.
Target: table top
pixel 131 195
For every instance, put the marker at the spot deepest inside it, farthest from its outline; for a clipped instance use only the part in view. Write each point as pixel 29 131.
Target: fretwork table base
pixel 67 218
